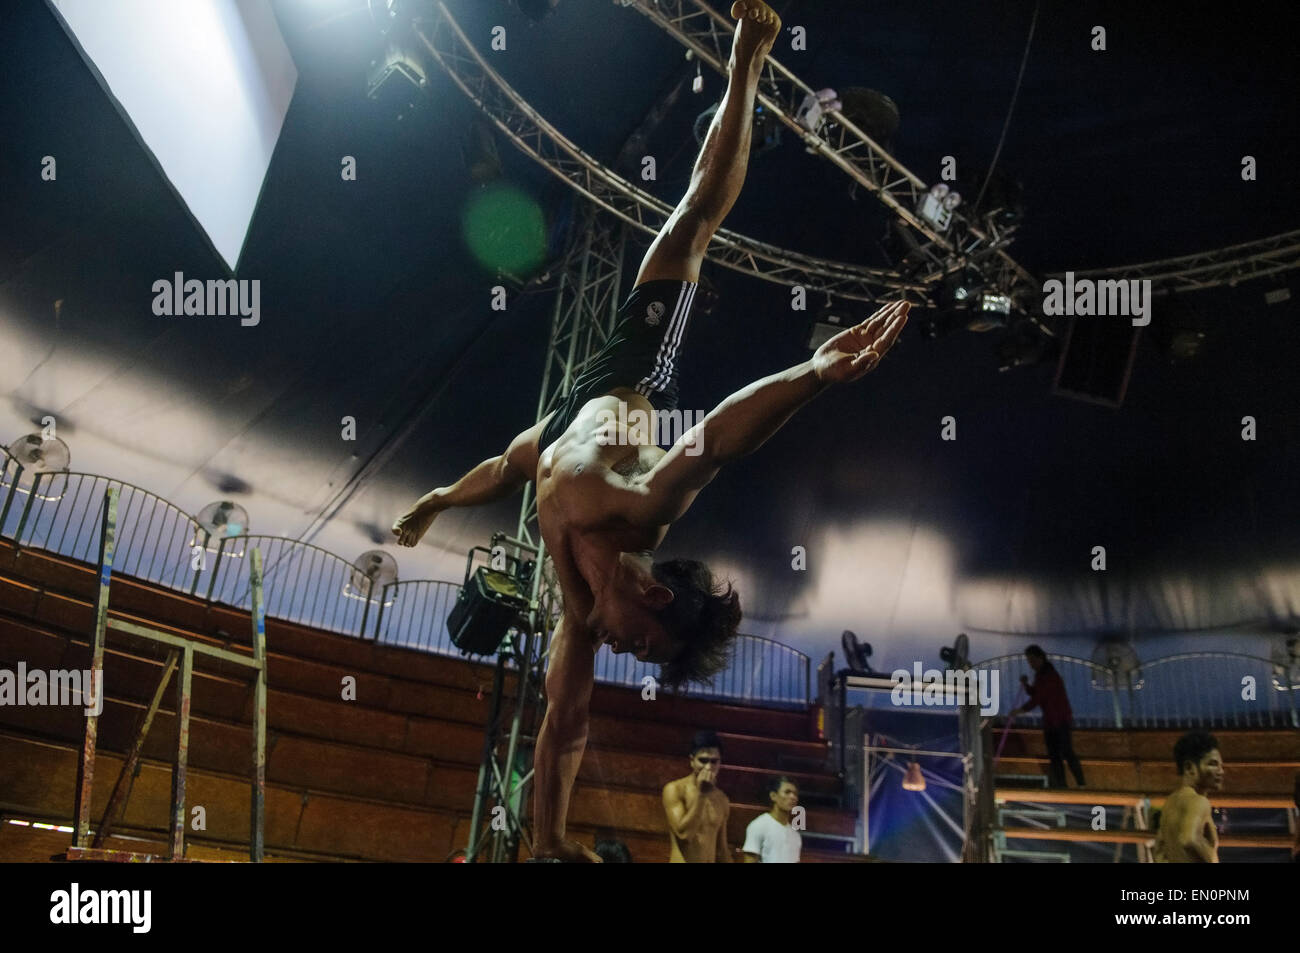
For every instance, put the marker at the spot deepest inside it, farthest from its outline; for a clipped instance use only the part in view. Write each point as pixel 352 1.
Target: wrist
pixel 807 373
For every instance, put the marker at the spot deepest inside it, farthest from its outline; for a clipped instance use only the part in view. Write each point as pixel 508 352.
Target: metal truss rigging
pixel 708 33
pixel 1208 269
pixel 537 138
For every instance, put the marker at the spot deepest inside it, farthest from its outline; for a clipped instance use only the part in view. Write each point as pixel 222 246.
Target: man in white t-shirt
pixel 769 838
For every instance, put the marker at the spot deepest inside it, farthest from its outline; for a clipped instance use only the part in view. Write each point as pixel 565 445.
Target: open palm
pixel 857 350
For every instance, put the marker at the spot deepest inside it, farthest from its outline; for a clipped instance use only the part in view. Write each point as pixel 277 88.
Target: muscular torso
pixel 578 480
pixel 701 846
pixel 1184 801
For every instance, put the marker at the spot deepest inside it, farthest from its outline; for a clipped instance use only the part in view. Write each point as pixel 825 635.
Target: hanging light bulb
pixel 913 780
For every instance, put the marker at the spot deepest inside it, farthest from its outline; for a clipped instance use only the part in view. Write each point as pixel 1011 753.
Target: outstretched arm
pixel 493 479
pixel 744 421
pixel 719 173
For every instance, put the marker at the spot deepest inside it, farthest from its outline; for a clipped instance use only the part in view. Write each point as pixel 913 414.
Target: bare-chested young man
pixel 696 808
pixel 1187 834
pixel 606 494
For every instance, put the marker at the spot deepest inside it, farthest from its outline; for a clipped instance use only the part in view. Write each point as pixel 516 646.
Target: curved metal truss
pixel 1209 269
pixel 707 33
pixel 537 138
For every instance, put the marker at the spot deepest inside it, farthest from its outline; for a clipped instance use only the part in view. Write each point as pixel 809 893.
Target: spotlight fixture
pixel 961 288
pixel 873 112
pixel 397 80
pixel 830 322
pixel 937 205
pixel 478 150
pixel 1181 330
pixel 706 296
pixel 991 313
pixel 1023 345
pixel 812 111
pixel 766 133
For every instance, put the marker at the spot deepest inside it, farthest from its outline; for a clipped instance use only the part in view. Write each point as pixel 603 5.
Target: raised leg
pixel 678 250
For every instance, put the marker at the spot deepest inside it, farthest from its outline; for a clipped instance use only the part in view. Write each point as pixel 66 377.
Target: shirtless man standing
pixel 1187 834
pixel 697 809
pixel 606 494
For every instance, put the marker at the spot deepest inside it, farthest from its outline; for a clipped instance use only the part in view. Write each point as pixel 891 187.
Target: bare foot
pixel 757 30
pixel 411 526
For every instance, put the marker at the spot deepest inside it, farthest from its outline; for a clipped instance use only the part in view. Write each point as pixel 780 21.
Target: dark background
pixel 372 307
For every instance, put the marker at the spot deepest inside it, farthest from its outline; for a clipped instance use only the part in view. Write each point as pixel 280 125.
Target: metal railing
pixel 1187 690
pixel 157 542
pixel 414 614
pixel 760 671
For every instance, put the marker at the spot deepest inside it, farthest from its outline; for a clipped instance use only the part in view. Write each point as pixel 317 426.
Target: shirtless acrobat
pixel 1187 834
pixel 606 495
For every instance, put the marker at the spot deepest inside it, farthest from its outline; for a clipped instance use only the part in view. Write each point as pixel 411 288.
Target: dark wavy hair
pixel 774 784
pixel 704 738
pixel 1192 747
pixel 703 614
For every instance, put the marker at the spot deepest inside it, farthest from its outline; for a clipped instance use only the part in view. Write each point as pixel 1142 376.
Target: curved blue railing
pixel 157 542
pixel 1187 690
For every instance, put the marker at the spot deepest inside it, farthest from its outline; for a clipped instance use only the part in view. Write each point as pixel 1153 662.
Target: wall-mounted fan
pixel 371 571
pixel 1121 664
pixel 1285 656
pixel 39 454
pixel 957 656
pixel 857 655
pixel 44 457
pixel 224 520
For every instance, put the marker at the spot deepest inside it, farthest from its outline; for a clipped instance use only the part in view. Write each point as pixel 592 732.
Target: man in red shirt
pixel 1048 693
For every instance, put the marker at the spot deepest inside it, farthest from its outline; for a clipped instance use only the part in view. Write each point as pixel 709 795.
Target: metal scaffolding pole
pixel 587 298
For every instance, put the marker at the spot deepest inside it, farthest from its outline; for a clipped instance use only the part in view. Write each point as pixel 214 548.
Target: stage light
pixel 913 780
pixel 873 112
pixel 478 150
pixel 937 205
pixel 830 322
pixel 991 314
pixel 959 289
pixel 766 132
pixel 1023 345
pixel 1179 329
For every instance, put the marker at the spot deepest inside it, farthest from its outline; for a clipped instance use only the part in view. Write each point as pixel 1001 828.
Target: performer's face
pixel 1209 772
pixel 787 798
pixel 707 758
pixel 625 617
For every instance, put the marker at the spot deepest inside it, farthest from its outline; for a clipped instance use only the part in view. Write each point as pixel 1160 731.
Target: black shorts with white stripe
pixel 641 353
